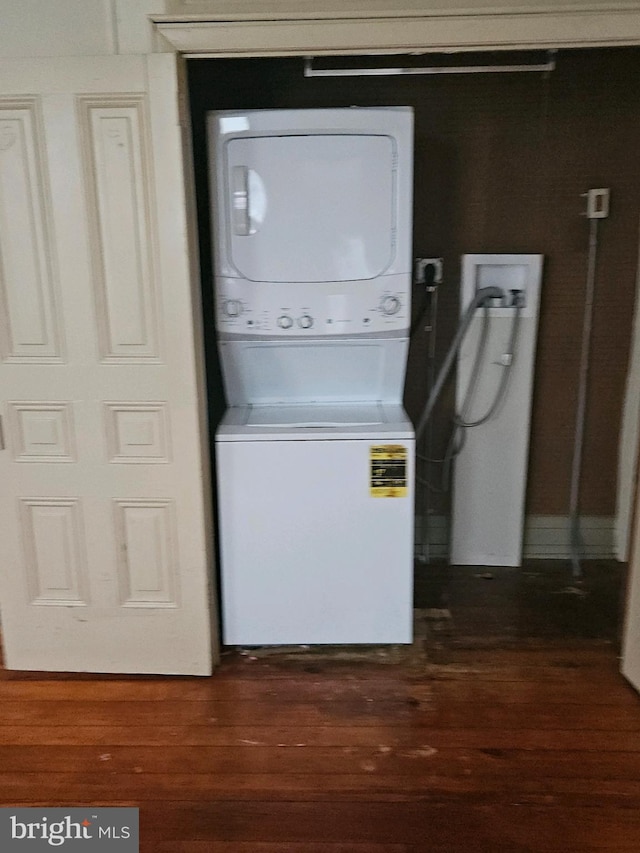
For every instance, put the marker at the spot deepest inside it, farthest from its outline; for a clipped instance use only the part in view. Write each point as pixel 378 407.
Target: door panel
pixel 106 521
pixel 121 221
pixel 30 327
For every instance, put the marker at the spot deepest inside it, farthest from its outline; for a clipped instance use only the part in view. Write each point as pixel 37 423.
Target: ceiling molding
pixel 485 29
pixel 264 10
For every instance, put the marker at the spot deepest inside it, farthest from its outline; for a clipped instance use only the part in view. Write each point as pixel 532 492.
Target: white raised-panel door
pixel 104 504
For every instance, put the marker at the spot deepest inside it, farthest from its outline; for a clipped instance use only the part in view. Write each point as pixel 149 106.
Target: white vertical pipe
pixel 585 358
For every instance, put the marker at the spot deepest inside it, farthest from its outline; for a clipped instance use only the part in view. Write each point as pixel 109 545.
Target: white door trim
pixel 354 29
pixel 250 29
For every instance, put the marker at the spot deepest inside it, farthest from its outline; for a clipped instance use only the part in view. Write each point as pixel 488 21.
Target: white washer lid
pixel 371 421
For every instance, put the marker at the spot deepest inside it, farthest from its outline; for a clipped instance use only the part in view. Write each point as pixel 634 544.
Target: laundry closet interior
pixel 501 161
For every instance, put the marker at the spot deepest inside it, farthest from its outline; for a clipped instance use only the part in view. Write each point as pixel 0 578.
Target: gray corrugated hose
pixel 482 296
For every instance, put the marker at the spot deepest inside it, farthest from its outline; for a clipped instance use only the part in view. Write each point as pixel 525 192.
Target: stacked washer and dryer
pixel 312 216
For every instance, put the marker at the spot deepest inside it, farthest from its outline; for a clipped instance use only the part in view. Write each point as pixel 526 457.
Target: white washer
pixel 316 525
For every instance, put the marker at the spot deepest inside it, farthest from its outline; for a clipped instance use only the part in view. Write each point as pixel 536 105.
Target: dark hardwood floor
pixel 505 728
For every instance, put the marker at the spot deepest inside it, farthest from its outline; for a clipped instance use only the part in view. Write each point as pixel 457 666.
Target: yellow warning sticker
pixel 388 471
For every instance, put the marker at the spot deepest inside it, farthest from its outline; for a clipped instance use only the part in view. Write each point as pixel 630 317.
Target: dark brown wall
pixel 501 161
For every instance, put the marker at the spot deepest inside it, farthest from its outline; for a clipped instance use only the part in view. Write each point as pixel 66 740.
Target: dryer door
pixel 311 208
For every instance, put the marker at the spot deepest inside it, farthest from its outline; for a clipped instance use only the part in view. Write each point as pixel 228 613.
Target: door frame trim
pixel 354 32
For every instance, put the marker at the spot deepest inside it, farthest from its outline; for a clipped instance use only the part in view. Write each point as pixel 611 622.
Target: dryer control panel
pixel 248 309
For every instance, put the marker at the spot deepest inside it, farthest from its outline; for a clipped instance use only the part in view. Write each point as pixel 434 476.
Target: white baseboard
pixel 545 537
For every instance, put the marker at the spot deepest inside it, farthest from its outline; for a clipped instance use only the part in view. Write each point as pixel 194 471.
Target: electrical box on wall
pixel 490 473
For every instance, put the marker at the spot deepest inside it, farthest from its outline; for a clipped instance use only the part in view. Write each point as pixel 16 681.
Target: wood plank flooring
pixel 492 741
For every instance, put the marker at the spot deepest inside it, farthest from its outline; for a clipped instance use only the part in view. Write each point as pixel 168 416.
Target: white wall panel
pixel 134 31
pixel 490 472
pixel 55 28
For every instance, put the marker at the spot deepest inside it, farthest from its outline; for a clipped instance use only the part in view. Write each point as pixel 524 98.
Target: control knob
pixel 285 322
pixel 390 305
pixel 305 322
pixel 232 307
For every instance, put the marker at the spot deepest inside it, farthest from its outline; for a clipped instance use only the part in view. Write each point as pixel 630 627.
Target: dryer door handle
pixel 248 202
pixel 240 201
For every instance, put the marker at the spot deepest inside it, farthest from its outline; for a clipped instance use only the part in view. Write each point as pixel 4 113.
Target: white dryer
pixel 312 257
